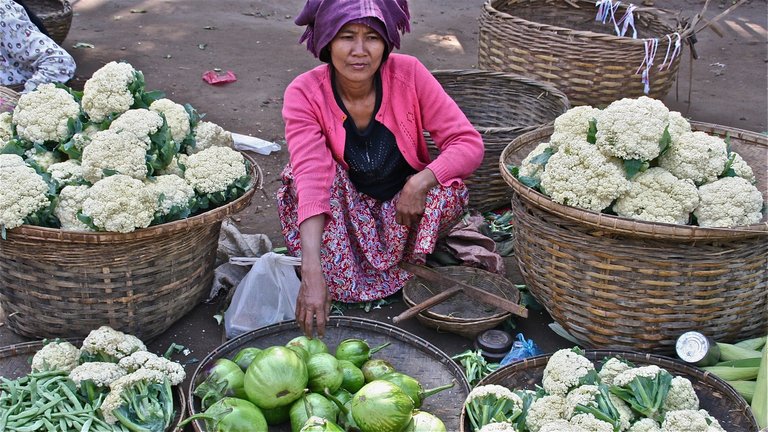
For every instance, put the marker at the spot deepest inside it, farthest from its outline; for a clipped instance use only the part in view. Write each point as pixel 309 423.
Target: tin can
pixel 695 348
pixel 493 344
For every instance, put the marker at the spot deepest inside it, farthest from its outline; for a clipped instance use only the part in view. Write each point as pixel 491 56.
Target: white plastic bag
pixel 266 295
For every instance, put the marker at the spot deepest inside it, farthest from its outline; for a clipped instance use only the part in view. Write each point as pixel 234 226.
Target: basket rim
pixel 624 225
pixel 651 11
pixel 206 218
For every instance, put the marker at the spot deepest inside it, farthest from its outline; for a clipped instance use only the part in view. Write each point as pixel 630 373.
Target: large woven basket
pixel 614 282
pixel 8 99
pixel 500 106
pixel 560 42
pixel 407 353
pixel 56 16
pixel 715 395
pixel 57 283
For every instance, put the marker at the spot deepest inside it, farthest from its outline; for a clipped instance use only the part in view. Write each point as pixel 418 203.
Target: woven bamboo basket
pixel 56 16
pixel 614 282
pixel 560 42
pixel 408 353
pixel 715 395
pixel 15 362
pixel 500 106
pixel 8 99
pixel 57 283
pixel 460 314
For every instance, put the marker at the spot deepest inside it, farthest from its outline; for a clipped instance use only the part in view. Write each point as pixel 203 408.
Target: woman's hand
pixel 313 302
pixel 412 201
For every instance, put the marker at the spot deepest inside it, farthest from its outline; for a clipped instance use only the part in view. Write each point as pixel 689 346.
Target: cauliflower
pixel 214 169
pixel 145 359
pixel 119 203
pixel 681 396
pixel 573 125
pixel 107 91
pixel 645 425
pixel 140 122
pixel 56 356
pixel 696 156
pixel 109 345
pixel 632 128
pixel 610 369
pixel 656 195
pixel 122 153
pixel 592 397
pixel 207 135
pixel 71 199
pixel 69 172
pixel 22 193
pixel 492 403
pixel 498 427
pixel 100 375
pixel 6 128
pixel 623 379
pixel 678 125
pixel 42 115
pixel 175 115
pixel 582 395
pixel 11 160
pixel 81 139
pixel 729 202
pixel 626 415
pixel 742 169
pixel 169 191
pixel 561 426
pixel 532 166
pixel 590 423
pixel 139 399
pixel 545 410
pixel 564 370
pixel 42 158
pixel 580 175
pixel 690 421
pixel 175 167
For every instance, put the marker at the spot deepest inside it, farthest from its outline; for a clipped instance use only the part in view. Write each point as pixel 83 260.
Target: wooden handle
pixel 473 292
pixel 426 304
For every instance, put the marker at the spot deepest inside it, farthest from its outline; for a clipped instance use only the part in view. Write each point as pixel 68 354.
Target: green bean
pixel 71 396
pixel 4 418
pixel 87 425
pixel 28 428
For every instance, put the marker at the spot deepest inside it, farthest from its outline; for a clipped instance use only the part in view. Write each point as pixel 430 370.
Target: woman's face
pixel 356 52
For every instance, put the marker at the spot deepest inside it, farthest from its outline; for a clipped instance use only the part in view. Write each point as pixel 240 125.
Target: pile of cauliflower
pixel 112 158
pixel 639 160
pixel 576 396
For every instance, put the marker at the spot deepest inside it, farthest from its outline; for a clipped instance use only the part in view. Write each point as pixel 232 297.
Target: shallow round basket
pixel 715 395
pixel 619 283
pixel 15 362
pixel 561 43
pixel 500 106
pixel 407 353
pixel 56 16
pixel 57 283
pixel 8 99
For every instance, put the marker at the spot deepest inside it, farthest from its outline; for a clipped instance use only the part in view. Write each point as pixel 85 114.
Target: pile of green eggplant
pixel 305 385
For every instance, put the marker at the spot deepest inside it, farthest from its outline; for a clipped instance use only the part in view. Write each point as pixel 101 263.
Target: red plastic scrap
pixel 213 77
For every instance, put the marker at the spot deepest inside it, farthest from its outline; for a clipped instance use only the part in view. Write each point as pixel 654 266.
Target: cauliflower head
pixel 102 374
pixel 71 199
pixel 564 370
pixel 123 153
pixel 42 115
pixel 561 426
pixel 10 160
pixel 580 175
pixel 742 169
pixel 729 202
pixel 581 395
pixel 107 91
pixel 140 122
pixel 145 359
pixel 56 356
pixel 678 125
pixel 544 410
pixel 169 191
pixel 656 195
pixel 534 170
pixel 498 427
pixel 645 425
pixel 66 173
pixel 632 128
pixel 591 423
pixel 122 385
pixel 175 167
pixel 623 379
pixel 207 135
pixel 108 344
pixel 696 156
pixel 214 169
pixel 120 204
pixel 573 125
pixel 22 193
pixel 6 128
pixel 43 158
pixel 176 116
pixel 690 421
pixel 610 369
pixel 681 396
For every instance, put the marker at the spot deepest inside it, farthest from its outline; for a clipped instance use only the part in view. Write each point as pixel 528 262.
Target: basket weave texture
pixel 8 99
pixel 460 314
pixel 613 282
pixel 15 362
pixel 57 283
pixel 56 16
pixel 560 42
pixel 500 106
pixel 715 395
pixel 407 353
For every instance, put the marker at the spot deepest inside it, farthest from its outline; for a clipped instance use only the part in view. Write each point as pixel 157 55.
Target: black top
pixel 377 168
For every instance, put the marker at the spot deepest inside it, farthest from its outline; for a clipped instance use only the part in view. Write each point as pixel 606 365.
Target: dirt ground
pixel 175 41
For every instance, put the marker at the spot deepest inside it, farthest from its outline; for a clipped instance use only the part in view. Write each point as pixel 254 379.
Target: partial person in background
pixel 361 193
pixel 27 55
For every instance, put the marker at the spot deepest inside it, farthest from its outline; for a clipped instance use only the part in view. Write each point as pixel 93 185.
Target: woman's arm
pixel 313 302
pixel 412 200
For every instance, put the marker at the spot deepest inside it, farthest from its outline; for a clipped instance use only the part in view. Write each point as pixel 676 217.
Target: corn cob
pixel 734 352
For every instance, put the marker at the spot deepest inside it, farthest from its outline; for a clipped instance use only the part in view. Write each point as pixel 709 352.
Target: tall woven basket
pixel 57 283
pixel 618 283
pixel 500 106
pixel 560 42
pixel 56 16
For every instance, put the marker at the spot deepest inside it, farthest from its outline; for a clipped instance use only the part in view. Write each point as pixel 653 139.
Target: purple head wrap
pixel 324 18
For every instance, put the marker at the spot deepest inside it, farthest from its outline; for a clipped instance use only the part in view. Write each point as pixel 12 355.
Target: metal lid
pixel 494 342
pixel 693 347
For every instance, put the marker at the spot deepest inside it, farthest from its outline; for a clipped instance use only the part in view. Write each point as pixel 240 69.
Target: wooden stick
pixel 426 304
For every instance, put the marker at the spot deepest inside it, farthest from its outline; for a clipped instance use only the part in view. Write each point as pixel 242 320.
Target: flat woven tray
pixel 407 353
pixel 715 395
pixel 15 362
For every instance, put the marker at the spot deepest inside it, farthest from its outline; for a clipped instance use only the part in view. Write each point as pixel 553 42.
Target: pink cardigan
pixel 412 101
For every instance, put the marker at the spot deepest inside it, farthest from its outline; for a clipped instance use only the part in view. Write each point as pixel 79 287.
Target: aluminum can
pixel 695 348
